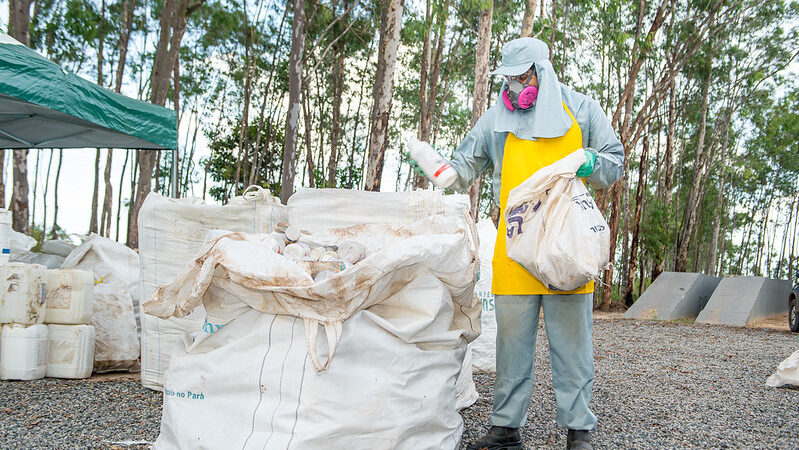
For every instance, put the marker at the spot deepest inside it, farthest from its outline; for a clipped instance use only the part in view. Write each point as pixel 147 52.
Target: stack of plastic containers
pixel 23 345
pixel 45 316
pixel 70 347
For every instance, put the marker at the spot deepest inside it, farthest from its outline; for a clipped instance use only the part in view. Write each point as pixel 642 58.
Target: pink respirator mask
pixel 518 96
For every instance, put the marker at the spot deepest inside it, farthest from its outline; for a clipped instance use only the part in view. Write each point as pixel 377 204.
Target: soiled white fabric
pixel 554 227
pixel 787 373
pixel 171 233
pixel 381 373
pixel 484 348
pixel 116 272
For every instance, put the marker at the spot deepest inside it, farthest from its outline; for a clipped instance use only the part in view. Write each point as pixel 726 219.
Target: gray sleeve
pixel 471 157
pixel 602 142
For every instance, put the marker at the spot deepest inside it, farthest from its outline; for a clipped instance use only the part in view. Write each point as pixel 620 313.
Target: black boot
pixel 498 438
pixel 578 440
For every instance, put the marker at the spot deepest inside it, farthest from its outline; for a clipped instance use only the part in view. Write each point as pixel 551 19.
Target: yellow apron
pixel 521 159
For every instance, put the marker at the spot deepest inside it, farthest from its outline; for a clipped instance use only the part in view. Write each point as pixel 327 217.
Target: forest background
pixel 702 93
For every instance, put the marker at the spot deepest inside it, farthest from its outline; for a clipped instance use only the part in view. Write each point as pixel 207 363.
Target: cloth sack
pixel 787 373
pixel 171 233
pixel 115 268
pixel 395 327
pixel 484 349
pixel 554 227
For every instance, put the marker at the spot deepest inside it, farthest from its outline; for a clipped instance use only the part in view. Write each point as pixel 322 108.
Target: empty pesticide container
pixel 23 352
pixel 70 295
pixel 23 293
pixel 70 351
pixel 5 235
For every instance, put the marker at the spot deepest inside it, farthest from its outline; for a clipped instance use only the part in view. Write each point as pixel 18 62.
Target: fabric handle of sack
pixel 333 332
pixel 255 192
pixel 474 239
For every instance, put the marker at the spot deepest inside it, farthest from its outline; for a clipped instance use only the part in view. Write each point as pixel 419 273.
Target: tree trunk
pixel 636 222
pixel 390 25
pixel 668 172
pixel 95 194
pixel 19 196
pixel 105 217
pixel 2 178
pixel 46 190
pixel 307 119
pixel 19 29
pixel 54 234
pixel 172 27
pixel 128 8
pixel 244 135
pixel 35 189
pixel 19 18
pixel 119 194
pixel 714 243
pixel 690 218
pixel 529 16
pixel 295 89
pixel 338 92
pixel 480 94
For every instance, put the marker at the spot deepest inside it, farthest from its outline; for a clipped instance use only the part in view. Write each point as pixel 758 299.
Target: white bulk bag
pixel 787 372
pixel 554 227
pixel 395 331
pixel 115 268
pixel 484 348
pixel 171 233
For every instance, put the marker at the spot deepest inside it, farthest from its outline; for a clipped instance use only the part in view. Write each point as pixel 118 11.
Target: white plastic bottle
pixel 23 352
pixel 70 351
pixel 432 164
pixel 23 293
pixel 70 296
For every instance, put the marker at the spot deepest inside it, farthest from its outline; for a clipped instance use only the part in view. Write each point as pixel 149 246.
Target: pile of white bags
pixel 171 233
pixel 554 227
pixel 484 348
pixel 381 372
pixel 787 373
pixel 116 272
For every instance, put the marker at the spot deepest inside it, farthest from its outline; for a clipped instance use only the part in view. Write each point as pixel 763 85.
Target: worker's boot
pixel 498 438
pixel 578 440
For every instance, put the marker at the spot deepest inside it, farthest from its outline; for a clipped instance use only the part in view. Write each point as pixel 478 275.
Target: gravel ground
pixel 657 385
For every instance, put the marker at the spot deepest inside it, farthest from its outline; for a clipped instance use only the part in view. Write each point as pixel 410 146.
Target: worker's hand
pixel 588 167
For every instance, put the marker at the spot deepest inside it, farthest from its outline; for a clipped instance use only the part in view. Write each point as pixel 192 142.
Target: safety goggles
pixel 523 78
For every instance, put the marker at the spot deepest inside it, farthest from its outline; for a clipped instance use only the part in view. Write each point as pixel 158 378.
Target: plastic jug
pixel 70 295
pixel 5 235
pixel 23 352
pixel 70 351
pixel 23 293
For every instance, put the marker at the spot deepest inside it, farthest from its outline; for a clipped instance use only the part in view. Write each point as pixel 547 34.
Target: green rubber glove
pixel 414 164
pixel 588 167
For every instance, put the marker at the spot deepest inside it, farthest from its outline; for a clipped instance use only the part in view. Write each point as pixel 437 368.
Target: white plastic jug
pixel 23 293
pixel 70 351
pixel 23 352
pixel 5 235
pixel 70 295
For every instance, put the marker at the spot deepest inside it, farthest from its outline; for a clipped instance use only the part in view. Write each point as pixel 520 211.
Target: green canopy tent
pixel 44 106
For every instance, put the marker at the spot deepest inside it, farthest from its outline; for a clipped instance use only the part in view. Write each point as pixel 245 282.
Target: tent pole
pixel 175 173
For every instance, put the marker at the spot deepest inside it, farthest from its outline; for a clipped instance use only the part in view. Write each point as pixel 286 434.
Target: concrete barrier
pixel 674 295
pixel 739 301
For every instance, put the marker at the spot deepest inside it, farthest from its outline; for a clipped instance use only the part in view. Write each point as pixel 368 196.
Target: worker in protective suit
pixel 536 122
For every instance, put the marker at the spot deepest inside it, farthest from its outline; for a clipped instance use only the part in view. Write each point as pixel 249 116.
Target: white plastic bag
pixel 115 268
pixel 171 233
pixel 554 227
pixel 484 348
pixel 387 362
pixel 787 372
